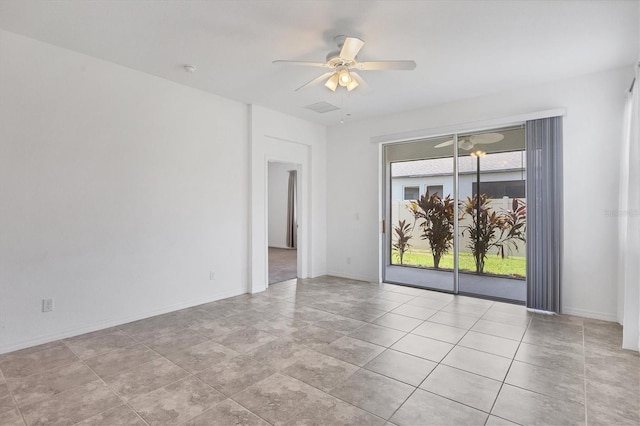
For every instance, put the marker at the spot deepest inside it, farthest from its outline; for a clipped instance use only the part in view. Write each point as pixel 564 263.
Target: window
pixel 411 193
pixel 505 188
pixel 433 189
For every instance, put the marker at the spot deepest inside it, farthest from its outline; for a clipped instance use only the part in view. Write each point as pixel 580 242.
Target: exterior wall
pixel 465 181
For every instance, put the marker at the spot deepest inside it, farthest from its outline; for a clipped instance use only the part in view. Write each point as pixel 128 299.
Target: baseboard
pixel 589 314
pixel 316 274
pixel 115 322
pixel 352 276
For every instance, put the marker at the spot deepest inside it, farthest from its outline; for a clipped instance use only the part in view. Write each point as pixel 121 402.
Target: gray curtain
pixel 292 226
pixel 544 213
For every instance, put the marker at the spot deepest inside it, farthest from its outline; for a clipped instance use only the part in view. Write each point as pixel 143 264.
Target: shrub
pixel 490 229
pixel 435 216
pixel 403 234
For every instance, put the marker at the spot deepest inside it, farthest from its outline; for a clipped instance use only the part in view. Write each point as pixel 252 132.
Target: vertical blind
pixel 544 213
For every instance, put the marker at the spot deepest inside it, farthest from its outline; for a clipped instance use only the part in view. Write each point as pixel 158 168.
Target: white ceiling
pixel 463 48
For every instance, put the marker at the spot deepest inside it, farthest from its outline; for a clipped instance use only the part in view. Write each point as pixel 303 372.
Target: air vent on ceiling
pixel 322 107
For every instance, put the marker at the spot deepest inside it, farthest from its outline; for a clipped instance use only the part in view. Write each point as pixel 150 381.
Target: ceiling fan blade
pixel 350 48
pixel 443 144
pixel 316 80
pixel 486 138
pixel 386 65
pixel 303 63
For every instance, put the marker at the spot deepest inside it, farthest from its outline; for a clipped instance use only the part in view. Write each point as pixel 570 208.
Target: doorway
pixel 282 213
pixel 456 209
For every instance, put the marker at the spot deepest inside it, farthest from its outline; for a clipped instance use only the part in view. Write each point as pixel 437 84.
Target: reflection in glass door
pixel 456 213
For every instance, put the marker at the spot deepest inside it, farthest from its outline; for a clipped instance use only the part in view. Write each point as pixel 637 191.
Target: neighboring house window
pixel 506 188
pixel 432 189
pixel 411 192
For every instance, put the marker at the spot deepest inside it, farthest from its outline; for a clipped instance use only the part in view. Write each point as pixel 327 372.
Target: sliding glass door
pixel 421 210
pixel 456 213
pixel 492 214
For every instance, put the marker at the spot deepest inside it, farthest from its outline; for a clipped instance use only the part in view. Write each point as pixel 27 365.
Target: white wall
pixel 115 194
pixel 278 202
pixel 282 138
pixel 592 130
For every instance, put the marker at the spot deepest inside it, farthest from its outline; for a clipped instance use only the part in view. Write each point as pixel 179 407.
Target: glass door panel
pixel 491 226
pixel 420 213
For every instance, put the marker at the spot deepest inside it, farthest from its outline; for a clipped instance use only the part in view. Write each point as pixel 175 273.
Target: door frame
pixel 299 212
pixel 415 135
pixel 283 151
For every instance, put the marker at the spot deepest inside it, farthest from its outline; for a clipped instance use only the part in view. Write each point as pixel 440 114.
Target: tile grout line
pixel 15 403
pixel 437 365
pixel 423 321
pixel 160 355
pixel 66 364
pixel 110 388
pixel 458 344
pixel 230 397
pixel 138 342
pixel 363 367
pixel 13 398
pixel 192 375
pixel 508 370
pixel 189 374
pixel 337 397
pixel 294 303
pixel 531 364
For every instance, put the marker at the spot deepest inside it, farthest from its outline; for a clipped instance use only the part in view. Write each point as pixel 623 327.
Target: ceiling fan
pixel 468 142
pixel 343 64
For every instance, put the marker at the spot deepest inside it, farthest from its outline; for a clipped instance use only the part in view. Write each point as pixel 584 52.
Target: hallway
pixel 282 264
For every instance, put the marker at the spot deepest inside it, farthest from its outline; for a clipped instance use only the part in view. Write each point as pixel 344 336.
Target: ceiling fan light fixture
pixel 352 85
pixel 344 78
pixel 466 144
pixel 332 82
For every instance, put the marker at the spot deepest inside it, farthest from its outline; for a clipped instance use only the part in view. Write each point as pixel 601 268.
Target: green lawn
pixel 513 266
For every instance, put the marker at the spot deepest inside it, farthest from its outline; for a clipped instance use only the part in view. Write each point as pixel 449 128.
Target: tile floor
pixel 330 351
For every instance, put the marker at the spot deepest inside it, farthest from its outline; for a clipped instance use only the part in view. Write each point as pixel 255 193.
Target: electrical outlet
pixel 348 261
pixel 212 275
pixel 47 305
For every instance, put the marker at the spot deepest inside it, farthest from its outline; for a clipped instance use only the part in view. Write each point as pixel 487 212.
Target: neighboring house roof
pixel 444 166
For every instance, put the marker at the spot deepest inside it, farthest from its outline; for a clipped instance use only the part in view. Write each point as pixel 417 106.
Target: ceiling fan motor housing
pixel 334 60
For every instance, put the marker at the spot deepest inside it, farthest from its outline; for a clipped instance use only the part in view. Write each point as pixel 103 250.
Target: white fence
pixel 400 210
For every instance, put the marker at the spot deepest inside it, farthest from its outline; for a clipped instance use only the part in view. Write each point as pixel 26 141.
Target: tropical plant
pixel 514 229
pixel 435 216
pixel 483 227
pixel 403 233
pixel 489 229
